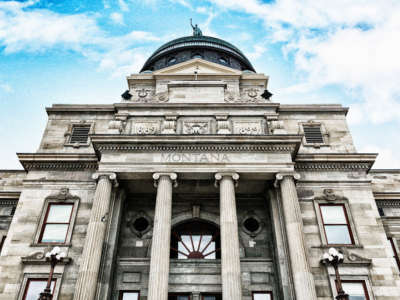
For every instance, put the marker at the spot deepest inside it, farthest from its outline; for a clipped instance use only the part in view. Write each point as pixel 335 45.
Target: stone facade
pixel 196 141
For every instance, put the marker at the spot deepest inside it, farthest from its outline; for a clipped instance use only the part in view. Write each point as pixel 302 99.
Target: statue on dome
pixel 196 29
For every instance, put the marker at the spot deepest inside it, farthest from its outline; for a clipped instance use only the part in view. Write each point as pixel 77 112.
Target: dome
pixel 197 46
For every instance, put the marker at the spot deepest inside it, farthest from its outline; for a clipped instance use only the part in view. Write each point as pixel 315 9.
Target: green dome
pixel 185 48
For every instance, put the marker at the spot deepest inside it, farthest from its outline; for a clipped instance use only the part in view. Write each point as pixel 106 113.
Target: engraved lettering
pixel 195 157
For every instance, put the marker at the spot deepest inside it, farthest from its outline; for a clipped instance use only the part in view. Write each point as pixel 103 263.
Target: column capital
pixel 218 176
pixel 111 176
pixel 172 176
pixel 279 177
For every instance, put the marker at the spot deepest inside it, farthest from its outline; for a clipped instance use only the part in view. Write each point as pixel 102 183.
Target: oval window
pixel 251 224
pixel 197 55
pixel 171 60
pixel 222 60
pixel 141 224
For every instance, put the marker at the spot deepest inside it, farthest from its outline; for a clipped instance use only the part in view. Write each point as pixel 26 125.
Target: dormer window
pixel 197 55
pixel 223 60
pixel 172 60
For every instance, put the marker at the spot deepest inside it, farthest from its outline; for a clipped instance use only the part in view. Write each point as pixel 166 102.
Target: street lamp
pixel 334 258
pixel 54 256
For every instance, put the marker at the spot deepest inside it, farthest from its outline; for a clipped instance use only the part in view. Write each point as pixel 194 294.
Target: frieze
pixel 195 148
pixel 199 127
pixel 332 166
pixel 247 127
pixel 73 166
pixel 195 157
pixel 146 127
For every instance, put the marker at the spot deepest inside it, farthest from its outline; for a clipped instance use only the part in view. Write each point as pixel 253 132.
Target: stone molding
pixel 9 196
pixel 172 176
pixel 329 195
pixel 335 161
pixel 195 148
pixel 58 161
pixel 62 195
pixel 279 177
pixel 38 258
pixel 218 177
pixel 109 175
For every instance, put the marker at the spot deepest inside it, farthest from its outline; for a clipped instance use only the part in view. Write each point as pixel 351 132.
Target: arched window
pixel 195 239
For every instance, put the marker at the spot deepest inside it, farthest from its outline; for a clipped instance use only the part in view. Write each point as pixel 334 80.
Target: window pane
pixel 338 234
pixel 204 241
pixel 209 249
pixel 262 296
pixel 186 240
pixel 59 213
pixel 130 296
pixel 35 287
pixel 355 290
pixel 333 214
pixel 182 298
pixel 54 233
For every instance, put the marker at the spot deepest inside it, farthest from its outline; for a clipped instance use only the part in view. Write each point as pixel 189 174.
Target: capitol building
pixel 197 184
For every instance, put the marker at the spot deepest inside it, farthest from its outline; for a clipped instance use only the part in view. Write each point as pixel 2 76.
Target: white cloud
pixel 117 18
pixel 23 28
pixel 386 159
pixel 353 44
pixel 257 52
pixel 123 6
pixel 6 87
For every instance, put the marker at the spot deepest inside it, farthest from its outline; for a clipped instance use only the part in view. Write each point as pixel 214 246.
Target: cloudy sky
pixel 79 51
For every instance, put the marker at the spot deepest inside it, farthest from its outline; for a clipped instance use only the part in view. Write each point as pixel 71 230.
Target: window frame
pixel 363 283
pixel 350 220
pixel 210 294
pixel 39 277
pixel 121 293
pixel 324 134
pixel 262 292
pixel 181 294
pixel 393 243
pixel 45 223
pixel 43 216
pixel 68 134
pixel 2 241
pixel 341 224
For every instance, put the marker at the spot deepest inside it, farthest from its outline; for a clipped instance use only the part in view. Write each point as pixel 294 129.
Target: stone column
pixel 230 258
pixel 86 285
pixel 302 276
pixel 160 245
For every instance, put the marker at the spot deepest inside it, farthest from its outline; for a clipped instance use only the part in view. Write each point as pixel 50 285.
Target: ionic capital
pixel 279 177
pixel 234 176
pixel 108 175
pixel 172 177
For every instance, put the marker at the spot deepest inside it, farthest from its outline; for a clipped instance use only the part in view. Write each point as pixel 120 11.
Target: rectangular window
pixel 56 223
pixel 3 238
pixel 79 134
pixel 211 297
pixel 179 297
pixel 313 134
pixel 262 296
pixel 357 290
pixel 128 295
pixel 336 224
pixel 394 251
pixel 34 287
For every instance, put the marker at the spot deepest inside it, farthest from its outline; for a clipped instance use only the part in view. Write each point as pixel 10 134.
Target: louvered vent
pixel 80 134
pixel 313 134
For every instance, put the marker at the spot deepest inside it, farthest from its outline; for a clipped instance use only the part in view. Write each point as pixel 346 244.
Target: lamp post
pixel 335 258
pixel 54 256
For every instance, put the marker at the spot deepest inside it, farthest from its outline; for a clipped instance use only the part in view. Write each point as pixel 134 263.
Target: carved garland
pixel 60 165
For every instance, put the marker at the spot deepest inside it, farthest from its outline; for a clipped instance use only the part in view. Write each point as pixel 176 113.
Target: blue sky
pixel 75 51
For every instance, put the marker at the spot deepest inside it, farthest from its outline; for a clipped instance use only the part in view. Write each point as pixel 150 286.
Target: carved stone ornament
pixel 329 195
pixel 146 128
pixel 251 95
pixel 169 125
pixel 39 258
pixel 118 125
pixel 63 194
pixel 196 128
pixel 247 128
pixel 139 223
pixel 143 95
pixel 353 258
pixel 162 97
pixel 231 97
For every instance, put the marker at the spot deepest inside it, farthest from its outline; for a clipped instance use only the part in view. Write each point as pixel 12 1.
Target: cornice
pixel 9 196
pixel 58 161
pixel 196 143
pixel 387 196
pixel 335 162
pixel 310 108
pixel 80 108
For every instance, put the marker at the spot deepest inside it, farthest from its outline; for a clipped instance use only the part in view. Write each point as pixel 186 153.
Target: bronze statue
pixel 196 29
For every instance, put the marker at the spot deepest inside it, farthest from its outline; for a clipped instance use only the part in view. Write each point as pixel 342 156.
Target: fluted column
pixel 230 258
pixel 160 246
pixel 302 276
pixel 86 285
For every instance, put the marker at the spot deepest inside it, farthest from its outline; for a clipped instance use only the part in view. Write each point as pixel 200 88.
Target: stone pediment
pixel 201 66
